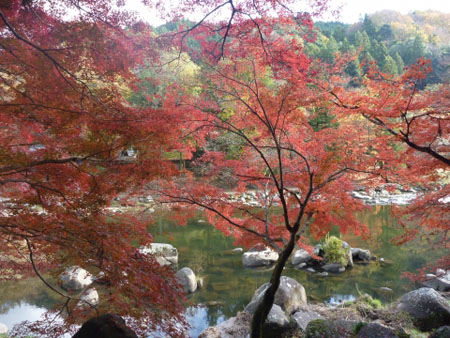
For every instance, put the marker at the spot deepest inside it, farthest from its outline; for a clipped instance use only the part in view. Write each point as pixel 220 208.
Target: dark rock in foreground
pixel 106 326
pixel 442 332
pixel 377 330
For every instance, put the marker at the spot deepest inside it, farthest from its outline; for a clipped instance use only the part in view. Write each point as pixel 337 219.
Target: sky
pixel 351 11
pixel 355 9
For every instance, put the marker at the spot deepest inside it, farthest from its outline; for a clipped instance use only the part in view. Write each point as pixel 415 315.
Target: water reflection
pixel 229 287
pixel 339 299
pixel 14 313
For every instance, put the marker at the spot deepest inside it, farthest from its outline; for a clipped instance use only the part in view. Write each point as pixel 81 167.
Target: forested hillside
pixel 391 39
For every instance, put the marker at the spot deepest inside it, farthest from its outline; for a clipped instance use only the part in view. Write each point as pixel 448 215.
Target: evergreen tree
pixel 385 33
pixel 369 27
pixel 340 33
pixel 366 41
pixel 389 65
pixel 329 50
pixel 400 64
pixel 353 68
pixel 345 47
pixel 379 52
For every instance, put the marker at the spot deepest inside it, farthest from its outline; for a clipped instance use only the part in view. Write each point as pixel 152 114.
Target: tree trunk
pixel 263 309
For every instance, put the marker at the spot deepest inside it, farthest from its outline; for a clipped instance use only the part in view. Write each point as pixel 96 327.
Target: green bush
pixel 334 252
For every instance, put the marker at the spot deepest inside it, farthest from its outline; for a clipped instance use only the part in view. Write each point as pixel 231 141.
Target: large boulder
pixel 234 327
pixel 427 307
pixel 259 257
pixel 187 279
pixel 75 279
pixel 290 296
pixel 105 326
pixel 439 281
pixel 165 254
pixel 303 316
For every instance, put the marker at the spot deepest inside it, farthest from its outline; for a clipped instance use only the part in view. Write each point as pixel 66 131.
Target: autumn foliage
pixel 299 131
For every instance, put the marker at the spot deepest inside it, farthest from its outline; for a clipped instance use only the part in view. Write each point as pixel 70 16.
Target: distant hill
pixel 391 39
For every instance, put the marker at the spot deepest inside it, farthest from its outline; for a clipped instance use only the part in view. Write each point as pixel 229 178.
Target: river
pixel 228 286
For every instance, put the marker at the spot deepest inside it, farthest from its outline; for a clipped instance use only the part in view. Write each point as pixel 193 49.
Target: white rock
pixel 259 258
pixel 187 278
pixel 3 328
pixel 165 254
pixel 90 297
pixel 75 278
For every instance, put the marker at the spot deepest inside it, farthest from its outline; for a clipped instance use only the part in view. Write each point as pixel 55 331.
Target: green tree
pixel 369 27
pixel 389 65
pixel 400 64
pixel 385 33
pixel 346 46
pixel 353 68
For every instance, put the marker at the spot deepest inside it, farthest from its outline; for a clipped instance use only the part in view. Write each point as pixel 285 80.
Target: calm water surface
pixel 229 287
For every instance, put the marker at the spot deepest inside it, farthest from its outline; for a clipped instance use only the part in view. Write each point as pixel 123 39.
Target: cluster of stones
pixel 250 198
pixel 166 254
pixel 302 259
pixel 381 195
pixel 78 280
pixel 428 308
pixel 288 309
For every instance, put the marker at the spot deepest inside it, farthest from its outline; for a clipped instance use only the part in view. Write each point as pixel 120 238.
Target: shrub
pixel 334 252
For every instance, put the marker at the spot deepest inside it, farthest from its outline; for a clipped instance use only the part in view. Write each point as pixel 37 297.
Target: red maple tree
pixel 266 100
pixel 65 72
pixel 418 122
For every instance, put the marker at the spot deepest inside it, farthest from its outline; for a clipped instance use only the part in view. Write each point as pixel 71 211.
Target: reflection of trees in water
pixel 232 286
pixel 31 291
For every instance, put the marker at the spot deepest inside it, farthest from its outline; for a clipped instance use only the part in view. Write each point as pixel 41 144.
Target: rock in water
pixel 290 296
pixel 187 278
pixel 333 267
pixel 75 278
pixel 165 254
pixel 90 297
pixel 301 256
pixel 3 328
pixel 106 326
pixel 427 307
pixel 255 258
